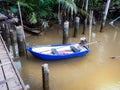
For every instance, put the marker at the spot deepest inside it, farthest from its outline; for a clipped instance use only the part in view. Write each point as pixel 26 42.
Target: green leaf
pixel 14 9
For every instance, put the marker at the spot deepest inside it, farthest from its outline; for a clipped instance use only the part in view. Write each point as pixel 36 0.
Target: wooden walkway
pixel 9 77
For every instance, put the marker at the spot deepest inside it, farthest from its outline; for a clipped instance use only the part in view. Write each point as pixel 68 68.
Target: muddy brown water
pixel 95 71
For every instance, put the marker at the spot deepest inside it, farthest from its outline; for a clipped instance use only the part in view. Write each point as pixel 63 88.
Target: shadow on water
pixel 95 71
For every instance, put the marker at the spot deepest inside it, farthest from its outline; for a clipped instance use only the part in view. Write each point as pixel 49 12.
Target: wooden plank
pixel 5 60
pixel 10 79
pixel 5 63
pixel 3 54
pixel 1 46
pixel 4 75
pixel 9 73
pixel 14 85
pixel 2 51
pixel 5 81
pixel 2 86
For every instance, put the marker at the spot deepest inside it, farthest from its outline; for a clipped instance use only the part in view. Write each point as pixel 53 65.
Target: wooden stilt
pixel 105 15
pixel 7 35
pixel 45 76
pixel 85 20
pixel 76 26
pixel 90 25
pixel 13 42
pixel 21 41
pixel 65 32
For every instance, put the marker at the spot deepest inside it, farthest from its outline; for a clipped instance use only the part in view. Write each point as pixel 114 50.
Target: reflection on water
pixel 17 64
pixel 95 71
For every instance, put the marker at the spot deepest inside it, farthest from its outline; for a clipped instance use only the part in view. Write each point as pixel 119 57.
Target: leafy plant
pixel 36 11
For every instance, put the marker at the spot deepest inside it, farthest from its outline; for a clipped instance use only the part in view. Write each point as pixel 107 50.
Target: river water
pixel 95 71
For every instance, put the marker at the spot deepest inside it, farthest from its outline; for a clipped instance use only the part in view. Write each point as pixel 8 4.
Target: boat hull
pixel 57 57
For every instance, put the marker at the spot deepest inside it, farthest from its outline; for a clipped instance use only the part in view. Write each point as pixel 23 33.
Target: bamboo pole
pixel 91 43
pixel 45 76
pixel 20 13
pixel 112 22
pixel 105 15
pixel 22 27
pixel 21 18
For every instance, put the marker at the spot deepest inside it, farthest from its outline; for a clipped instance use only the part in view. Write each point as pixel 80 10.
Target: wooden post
pixel 90 25
pixel 105 15
pixel 45 76
pixel 93 20
pixel 65 32
pixel 85 20
pixel 7 35
pixel 3 31
pixel 76 26
pixel 13 42
pixel 59 16
pixel 20 40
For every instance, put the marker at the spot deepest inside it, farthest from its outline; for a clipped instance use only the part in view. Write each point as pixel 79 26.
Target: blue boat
pixel 58 51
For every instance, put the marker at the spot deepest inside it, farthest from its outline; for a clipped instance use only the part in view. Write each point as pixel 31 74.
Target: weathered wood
pixel 9 71
pixel 85 20
pixel 2 86
pixel 76 26
pixel 33 30
pixel 7 35
pixel 5 81
pixel 13 42
pixel 21 41
pixel 90 25
pixel 5 63
pixel 45 76
pixel 105 15
pixel 3 30
pixel 24 44
pixel 59 15
pixel 65 32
